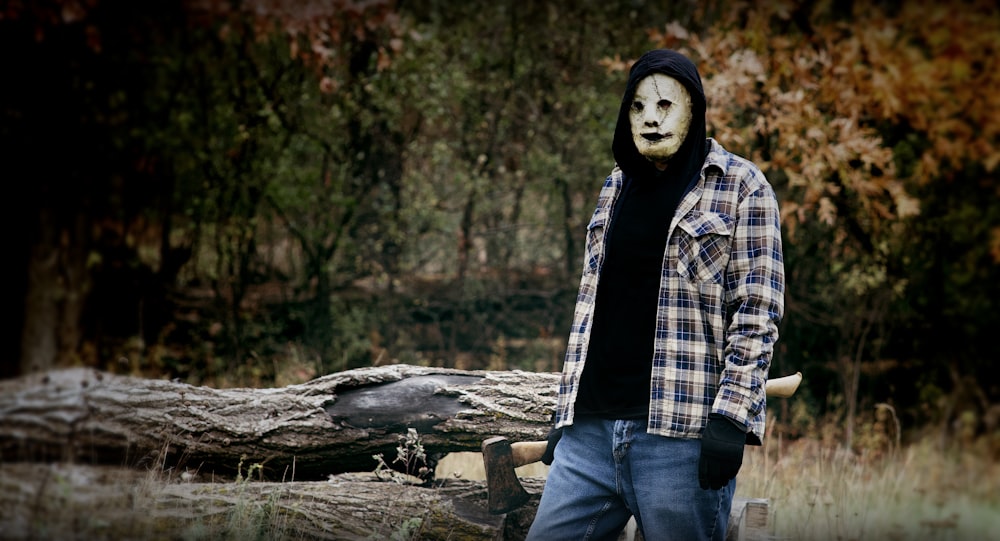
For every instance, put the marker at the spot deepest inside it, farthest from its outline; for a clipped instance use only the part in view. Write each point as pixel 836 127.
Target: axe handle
pixel 784 386
pixel 529 452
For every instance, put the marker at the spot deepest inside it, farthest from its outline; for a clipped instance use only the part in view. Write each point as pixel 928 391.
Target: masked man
pixel 674 328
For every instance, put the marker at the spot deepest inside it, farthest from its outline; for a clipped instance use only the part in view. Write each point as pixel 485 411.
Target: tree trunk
pixel 98 502
pixel 64 501
pixel 39 345
pixel 132 458
pixel 332 424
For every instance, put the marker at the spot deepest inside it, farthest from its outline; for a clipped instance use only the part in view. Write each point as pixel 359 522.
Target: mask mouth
pixel 654 137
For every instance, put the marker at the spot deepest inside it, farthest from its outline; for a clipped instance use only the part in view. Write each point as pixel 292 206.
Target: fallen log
pixel 72 501
pixel 88 454
pixel 66 501
pixel 332 424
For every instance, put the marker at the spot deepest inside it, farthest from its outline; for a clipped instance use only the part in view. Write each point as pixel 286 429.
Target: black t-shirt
pixel 615 380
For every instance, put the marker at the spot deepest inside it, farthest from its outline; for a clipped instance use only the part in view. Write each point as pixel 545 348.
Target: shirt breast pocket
pixel 703 246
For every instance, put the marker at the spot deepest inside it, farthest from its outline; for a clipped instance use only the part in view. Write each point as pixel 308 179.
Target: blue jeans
pixel 605 472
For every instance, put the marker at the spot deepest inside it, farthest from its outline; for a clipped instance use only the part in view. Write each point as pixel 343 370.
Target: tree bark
pixel 332 424
pixel 60 501
pixel 41 316
pixel 66 501
pixel 93 455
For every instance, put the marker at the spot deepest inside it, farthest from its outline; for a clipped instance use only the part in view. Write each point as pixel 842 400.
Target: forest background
pixel 257 192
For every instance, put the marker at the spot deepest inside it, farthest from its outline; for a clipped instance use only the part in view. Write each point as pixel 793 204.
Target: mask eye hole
pixel 637 105
pixel 664 104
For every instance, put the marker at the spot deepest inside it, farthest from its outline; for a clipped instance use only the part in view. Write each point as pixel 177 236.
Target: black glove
pixel 721 451
pixel 550 449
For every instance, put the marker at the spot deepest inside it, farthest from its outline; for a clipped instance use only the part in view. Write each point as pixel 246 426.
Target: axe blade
pixel 503 488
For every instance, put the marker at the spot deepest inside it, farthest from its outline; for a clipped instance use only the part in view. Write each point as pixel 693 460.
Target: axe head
pixel 503 488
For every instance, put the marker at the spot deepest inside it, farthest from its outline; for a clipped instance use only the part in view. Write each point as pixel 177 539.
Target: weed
pixel 409 529
pixel 412 458
pixel 250 517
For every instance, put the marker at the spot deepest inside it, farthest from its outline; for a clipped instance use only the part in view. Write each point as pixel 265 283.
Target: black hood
pixel 687 162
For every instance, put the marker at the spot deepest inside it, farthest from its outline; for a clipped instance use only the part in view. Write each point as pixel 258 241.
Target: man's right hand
pixel 550 449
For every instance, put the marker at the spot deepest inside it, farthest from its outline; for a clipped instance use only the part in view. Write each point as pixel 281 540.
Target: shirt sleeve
pixel 755 290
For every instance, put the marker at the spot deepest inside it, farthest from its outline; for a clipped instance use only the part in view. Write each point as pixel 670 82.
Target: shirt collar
pixel 717 156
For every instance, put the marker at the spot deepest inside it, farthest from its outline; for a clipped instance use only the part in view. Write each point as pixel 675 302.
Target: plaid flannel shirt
pixel 721 299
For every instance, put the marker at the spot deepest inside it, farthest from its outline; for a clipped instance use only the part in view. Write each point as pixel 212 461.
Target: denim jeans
pixel 606 471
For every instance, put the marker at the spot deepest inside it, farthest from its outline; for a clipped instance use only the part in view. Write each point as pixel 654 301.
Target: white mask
pixel 660 115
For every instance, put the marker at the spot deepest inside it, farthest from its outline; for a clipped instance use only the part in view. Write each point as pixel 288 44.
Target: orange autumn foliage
pixel 811 102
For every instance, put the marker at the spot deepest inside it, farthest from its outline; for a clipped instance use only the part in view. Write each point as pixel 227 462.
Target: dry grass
pixel 818 492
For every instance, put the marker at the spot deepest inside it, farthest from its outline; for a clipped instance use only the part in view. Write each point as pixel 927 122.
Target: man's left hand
pixel 721 451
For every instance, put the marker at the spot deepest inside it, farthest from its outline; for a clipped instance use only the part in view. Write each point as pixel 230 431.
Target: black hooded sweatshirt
pixel 616 376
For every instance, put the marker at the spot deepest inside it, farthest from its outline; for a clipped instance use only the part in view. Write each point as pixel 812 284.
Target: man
pixel 674 328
